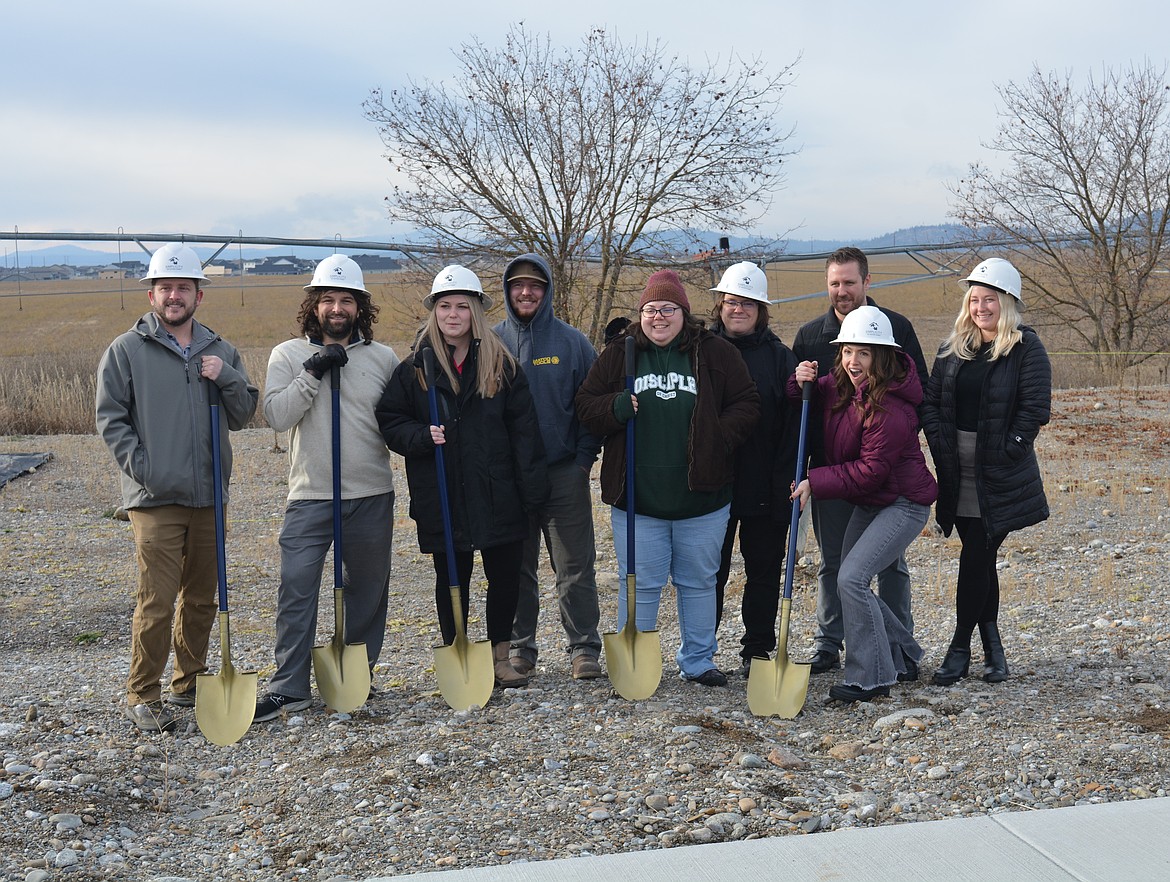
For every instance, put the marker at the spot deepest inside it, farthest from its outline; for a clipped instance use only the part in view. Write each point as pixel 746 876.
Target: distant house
pixel 376 263
pixel 282 265
pixel 220 268
pixel 114 272
pixel 53 273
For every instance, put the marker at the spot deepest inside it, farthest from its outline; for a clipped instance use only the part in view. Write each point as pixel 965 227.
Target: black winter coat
pixel 1016 402
pixel 494 458
pixel 765 463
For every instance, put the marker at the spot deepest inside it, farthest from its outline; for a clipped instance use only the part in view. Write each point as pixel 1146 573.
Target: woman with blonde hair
pixel 494 460
pixel 989 392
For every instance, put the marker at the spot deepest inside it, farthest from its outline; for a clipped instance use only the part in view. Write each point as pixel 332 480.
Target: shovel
pixel 779 687
pixel 342 669
pixel 632 657
pixel 465 670
pixel 225 702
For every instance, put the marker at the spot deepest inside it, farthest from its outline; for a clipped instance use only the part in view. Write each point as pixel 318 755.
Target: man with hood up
pixel 555 358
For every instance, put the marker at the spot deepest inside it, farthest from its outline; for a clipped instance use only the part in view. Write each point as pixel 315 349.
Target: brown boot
pixel 507 677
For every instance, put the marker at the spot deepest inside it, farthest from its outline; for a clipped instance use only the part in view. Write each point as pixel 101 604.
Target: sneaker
pixel 713 677
pixel 151 717
pixel 272 705
pixel 522 665
pixel 182 699
pixel 585 667
pixel 825 660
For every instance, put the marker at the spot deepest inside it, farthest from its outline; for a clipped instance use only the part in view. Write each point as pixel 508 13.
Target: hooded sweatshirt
pixel 555 358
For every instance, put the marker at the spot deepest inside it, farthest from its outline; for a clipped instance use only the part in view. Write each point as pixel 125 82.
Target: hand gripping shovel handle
pixel 790 560
pixel 428 357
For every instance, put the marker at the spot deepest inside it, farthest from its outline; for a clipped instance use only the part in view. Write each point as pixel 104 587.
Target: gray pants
pixel 830 519
pixel 879 644
pixel 566 523
pixel 367 526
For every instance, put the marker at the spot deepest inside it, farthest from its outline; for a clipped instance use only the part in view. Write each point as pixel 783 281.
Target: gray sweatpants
pixel 367 526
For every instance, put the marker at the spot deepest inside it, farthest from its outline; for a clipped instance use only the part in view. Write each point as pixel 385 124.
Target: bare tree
pixel 1087 193
pixel 581 153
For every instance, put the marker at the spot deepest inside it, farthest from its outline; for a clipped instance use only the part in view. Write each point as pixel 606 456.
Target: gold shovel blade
pixel 343 674
pixel 225 703
pixel 633 660
pixel 466 672
pixel 778 687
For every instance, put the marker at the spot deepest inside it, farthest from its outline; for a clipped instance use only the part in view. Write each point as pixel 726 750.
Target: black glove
pixel 333 354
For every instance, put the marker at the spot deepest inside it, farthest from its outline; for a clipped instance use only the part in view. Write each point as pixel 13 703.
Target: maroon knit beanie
pixel 665 285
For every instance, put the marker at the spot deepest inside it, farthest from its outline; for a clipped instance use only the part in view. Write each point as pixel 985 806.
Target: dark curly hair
pixel 366 317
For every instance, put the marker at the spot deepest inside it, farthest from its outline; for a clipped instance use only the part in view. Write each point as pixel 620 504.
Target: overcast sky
pixel 213 117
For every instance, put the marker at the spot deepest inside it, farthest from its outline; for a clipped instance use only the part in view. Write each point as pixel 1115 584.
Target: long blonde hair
pixel 966 339
pixel 492 361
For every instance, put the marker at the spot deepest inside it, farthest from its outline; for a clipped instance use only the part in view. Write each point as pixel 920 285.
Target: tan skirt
pixel 968 506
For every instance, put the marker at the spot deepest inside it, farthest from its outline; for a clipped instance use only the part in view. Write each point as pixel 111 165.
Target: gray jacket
pixel 154 415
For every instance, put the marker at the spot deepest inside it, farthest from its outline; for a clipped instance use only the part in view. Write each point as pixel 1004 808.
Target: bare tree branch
pixel 595 150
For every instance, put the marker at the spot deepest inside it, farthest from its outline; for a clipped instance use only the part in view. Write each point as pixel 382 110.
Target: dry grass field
pixel 55 332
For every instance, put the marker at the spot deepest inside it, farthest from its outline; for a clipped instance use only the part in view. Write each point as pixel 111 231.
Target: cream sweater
pixel 297 402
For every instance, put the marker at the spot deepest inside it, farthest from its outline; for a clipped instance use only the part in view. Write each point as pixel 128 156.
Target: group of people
pixel 525 408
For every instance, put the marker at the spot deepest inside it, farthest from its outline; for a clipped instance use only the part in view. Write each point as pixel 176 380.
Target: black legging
pixel 501 566
pixel 977 592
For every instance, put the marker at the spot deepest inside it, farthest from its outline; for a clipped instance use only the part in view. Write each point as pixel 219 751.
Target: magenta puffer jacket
pixel 873 457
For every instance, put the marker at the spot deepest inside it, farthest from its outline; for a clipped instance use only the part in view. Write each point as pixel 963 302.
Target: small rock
pixel 849 751
pixel 786 759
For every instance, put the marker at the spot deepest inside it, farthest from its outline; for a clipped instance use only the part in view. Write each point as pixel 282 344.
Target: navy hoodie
pixel 555 358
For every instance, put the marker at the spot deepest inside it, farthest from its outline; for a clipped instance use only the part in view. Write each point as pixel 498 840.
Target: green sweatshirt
pixel 666 387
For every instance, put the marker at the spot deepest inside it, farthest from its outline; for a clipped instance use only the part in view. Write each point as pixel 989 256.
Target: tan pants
pixel 176 563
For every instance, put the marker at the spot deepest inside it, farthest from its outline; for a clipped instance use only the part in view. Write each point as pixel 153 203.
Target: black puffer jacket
pixel 494 458
pixel 1016 402
pixel 765 463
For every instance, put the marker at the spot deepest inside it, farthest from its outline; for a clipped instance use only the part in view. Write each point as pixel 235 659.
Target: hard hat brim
pixel 485 300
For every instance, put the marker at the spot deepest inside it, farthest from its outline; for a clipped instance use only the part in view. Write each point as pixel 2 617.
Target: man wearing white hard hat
pixel 847 280
pixel 336 328
pixel 764 464
pixel 153 412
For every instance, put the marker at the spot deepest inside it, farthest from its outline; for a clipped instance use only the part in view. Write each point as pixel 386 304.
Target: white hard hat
pixel 995 272
pixel 338 271
pixel 744 279
pixel 174 261
pixel 456 279
pixel 868 326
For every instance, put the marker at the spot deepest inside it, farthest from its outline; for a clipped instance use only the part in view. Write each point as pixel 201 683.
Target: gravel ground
pixel 568 768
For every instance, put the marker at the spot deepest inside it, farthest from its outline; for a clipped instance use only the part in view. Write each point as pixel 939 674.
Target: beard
pixel 338 327
pixel 171 321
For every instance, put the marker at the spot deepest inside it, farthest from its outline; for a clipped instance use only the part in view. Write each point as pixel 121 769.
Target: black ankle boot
pixel 995 667
pixel 954 666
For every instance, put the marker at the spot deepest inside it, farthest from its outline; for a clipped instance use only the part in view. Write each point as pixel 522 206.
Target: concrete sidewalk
pixel 1109 842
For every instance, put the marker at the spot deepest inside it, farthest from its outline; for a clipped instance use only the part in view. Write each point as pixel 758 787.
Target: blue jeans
pixel 830 517
pixel 878 642
pixel 687 553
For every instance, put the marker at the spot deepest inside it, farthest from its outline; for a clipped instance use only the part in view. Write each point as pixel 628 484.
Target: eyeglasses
pixel 745 305
pixel 664 311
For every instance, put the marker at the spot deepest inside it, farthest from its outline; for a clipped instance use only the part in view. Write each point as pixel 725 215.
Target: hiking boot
pixel 522 665
pixel 182 699
pixel 824 660
pixel 151 717
pixel 507 677
pixel 585 667
pixel 713 677
pixel 272 705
